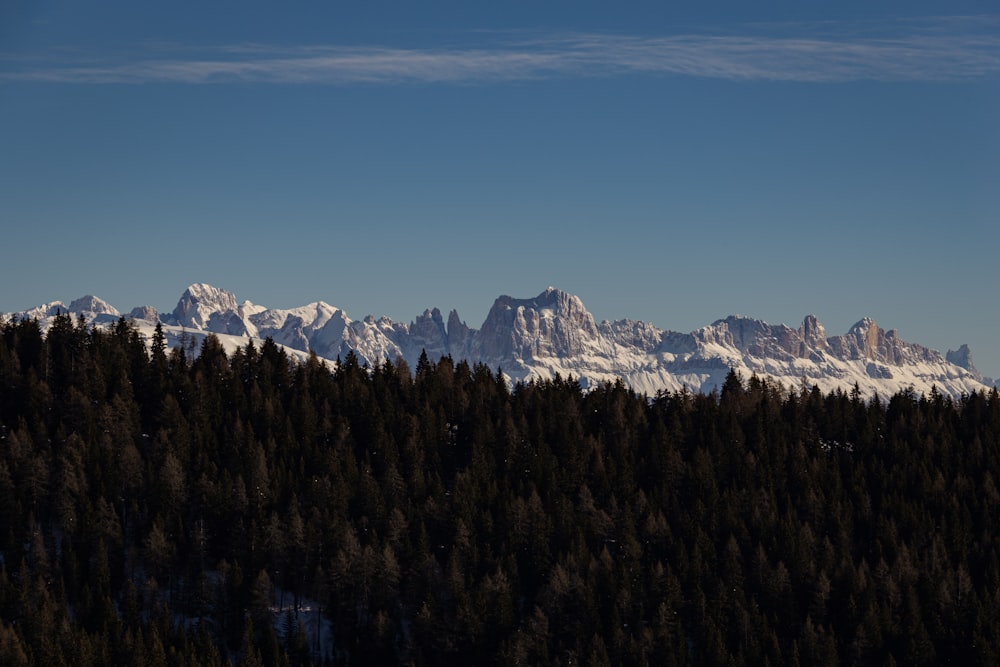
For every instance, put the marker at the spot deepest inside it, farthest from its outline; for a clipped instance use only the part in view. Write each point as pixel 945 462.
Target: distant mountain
pixel 554 333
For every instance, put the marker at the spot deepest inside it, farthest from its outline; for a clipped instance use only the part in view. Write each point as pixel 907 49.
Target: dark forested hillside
pixel 165 507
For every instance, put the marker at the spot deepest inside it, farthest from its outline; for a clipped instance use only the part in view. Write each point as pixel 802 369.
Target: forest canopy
pixel 161 506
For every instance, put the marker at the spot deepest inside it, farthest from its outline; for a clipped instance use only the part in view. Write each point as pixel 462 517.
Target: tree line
pixel 160 507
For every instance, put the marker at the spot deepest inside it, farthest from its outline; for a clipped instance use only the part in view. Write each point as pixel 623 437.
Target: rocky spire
pixel 962 357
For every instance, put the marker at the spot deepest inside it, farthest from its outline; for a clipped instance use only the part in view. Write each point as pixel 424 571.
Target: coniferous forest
pixel 189 506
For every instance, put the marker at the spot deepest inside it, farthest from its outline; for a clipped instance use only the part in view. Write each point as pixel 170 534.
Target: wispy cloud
pixel 941 49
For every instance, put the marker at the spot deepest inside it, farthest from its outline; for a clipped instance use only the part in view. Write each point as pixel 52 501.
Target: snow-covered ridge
pixel 554 333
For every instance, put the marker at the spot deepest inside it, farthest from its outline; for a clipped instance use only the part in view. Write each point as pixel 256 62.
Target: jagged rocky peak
pixel 92 304
pixel 747 332
pixel 812 339
pixel 563 303
pixel 200 302
pixel 962 357
pixel 314 315
pixel 428 331
pixel 555 304
pixel 746 335
pixel 862 341
pixel 554 333
pixel 434 314
pixel 430 320
pixel 458 331
pixel 207 308
pixel 866 340
pixel 813 333
pixel 554 323
pixel 208 295
pixel 870 335
pixel 759 339
pixel 44 310
pixel 633 333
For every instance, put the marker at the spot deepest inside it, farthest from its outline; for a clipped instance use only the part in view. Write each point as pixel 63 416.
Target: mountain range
pixel 554 333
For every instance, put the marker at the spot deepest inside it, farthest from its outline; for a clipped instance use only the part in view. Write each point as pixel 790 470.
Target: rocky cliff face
pixel 867 341
pixel 553 324
pixel 554 333
pixel 962 357
pixel 758 339
pixel 428 332
pixel 813 337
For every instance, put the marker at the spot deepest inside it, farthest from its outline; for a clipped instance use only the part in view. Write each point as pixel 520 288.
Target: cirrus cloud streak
pixel 918 56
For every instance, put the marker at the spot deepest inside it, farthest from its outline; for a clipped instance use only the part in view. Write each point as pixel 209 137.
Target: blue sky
pixel 674 164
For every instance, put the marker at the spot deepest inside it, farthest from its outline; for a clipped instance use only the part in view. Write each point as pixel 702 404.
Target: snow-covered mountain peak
pixel 554 333
pixel 209 294
pixel 44 310
pixel 209 308
pixel 200 301
pixel 92 304
pixel 146 313
pixel 248 308
pixel 313 316
pixel 89 306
